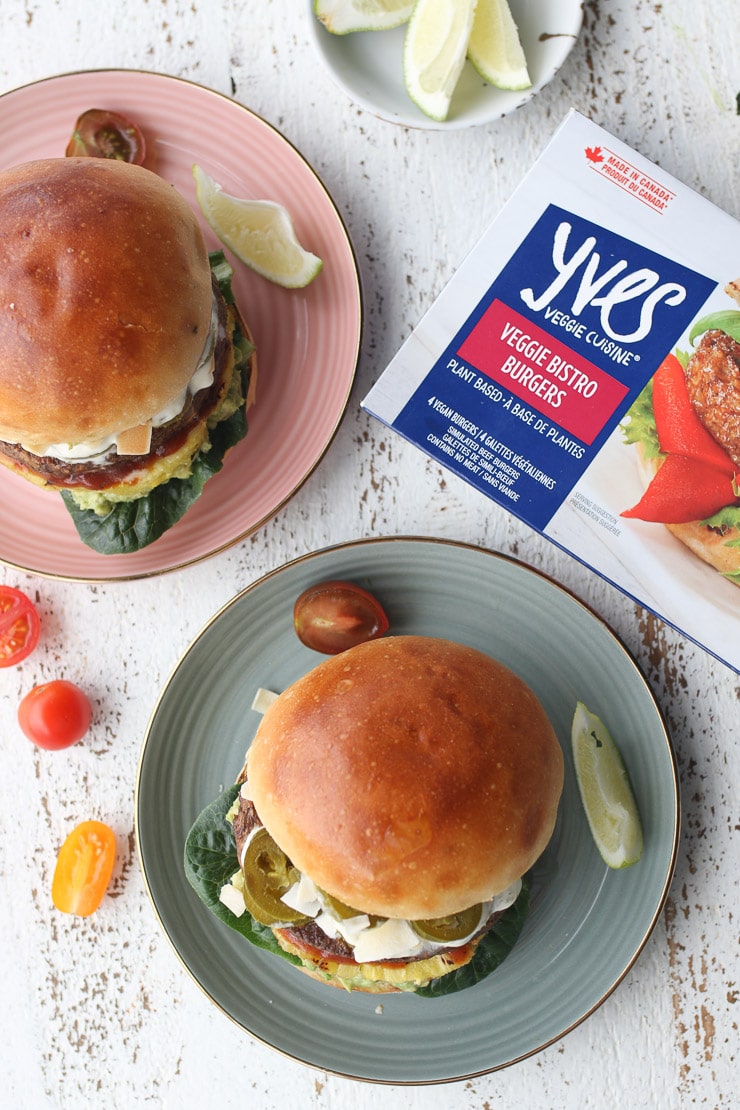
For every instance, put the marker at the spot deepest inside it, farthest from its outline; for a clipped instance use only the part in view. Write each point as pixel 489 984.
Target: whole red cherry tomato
pixel 55 715
pixel 19 626
pixel 100 133
pixel 333 616
pixel 84 867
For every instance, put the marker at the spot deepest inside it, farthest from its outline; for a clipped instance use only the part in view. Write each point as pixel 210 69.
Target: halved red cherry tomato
pixel 19 626
pixel 84 867
pixel 333 616
pixel 100 133
pixel 55 715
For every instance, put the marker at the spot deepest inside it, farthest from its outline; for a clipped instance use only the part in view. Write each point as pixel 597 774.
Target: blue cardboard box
pixel 605 292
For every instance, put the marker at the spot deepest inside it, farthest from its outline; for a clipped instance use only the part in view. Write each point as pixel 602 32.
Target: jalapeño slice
pixel 267 876
pixel 444 930
pixel 339 909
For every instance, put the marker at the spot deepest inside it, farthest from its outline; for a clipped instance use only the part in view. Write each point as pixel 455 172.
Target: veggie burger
pixel 124 364
pixel 686 425
pixel 391 804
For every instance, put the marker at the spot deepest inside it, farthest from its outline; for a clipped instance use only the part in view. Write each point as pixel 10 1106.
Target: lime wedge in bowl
pixel 344 16
pixel 434 52
pixel 495 49
pixel 259 232
pixel 605 789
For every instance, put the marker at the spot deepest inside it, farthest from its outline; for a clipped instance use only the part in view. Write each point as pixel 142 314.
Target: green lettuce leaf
pixel 131 525
pixel 210 860
pixel 726 320
pixel 638 425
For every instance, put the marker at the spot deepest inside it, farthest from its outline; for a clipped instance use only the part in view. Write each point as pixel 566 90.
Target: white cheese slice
pixel 389 940
pixel 135 441
pixel 232 899
pixel 263 699
pixel 350 928
pixel 303 897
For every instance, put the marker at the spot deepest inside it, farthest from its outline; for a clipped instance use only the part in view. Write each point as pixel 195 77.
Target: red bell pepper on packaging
pixel 682 490
pixel 680 431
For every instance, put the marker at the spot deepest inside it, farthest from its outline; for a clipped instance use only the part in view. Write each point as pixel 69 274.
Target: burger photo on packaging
pixel 686 427
pixel 381 834
pixel 125 367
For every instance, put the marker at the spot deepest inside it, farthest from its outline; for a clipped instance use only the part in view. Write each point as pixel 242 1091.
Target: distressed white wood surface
pixel 99 1012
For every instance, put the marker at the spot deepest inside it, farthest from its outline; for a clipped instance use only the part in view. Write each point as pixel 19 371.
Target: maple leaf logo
pixel 593 153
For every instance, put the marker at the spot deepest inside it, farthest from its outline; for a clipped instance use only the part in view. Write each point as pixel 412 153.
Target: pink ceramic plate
pixel 307 340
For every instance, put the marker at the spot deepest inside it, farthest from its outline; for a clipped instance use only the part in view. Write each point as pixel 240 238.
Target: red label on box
pixel 540 370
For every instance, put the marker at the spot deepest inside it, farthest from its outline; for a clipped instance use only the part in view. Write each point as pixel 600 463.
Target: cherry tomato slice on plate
pixel 19 626
pixel 333 616
pixel 100 133
pixel 84 867
pixel 55 715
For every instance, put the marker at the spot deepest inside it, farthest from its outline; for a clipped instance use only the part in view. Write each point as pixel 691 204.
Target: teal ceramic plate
pixel 587 924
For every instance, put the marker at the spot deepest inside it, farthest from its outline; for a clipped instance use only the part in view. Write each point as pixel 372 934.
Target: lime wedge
pixel 343 16
pixel 259 232
pixel 605 789
pixel 495 49
pixel 434 51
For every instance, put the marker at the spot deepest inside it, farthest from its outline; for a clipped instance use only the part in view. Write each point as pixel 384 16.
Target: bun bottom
pixel 719 549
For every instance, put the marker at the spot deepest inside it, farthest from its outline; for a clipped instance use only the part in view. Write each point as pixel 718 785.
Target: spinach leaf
pixel 131 525
pixel 211 860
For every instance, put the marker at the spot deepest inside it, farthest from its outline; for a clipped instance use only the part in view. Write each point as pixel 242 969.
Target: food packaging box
pixel 604 292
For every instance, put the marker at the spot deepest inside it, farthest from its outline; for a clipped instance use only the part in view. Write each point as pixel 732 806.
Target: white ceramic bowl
pixel 368 66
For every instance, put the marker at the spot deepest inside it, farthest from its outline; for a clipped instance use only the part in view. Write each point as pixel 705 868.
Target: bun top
pixel 408 777
pixel 105 298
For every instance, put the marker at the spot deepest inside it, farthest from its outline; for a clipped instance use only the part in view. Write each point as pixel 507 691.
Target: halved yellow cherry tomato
pixel 333 616
pixel 100 133
pixel 84 867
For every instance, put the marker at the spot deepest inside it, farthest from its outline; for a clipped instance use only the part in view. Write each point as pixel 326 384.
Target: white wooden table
pixel 100 1013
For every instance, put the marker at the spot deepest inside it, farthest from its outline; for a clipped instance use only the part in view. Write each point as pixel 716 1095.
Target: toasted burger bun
pixel 409 777
pixel 107 308
pixel 720 549
pixel 106 275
